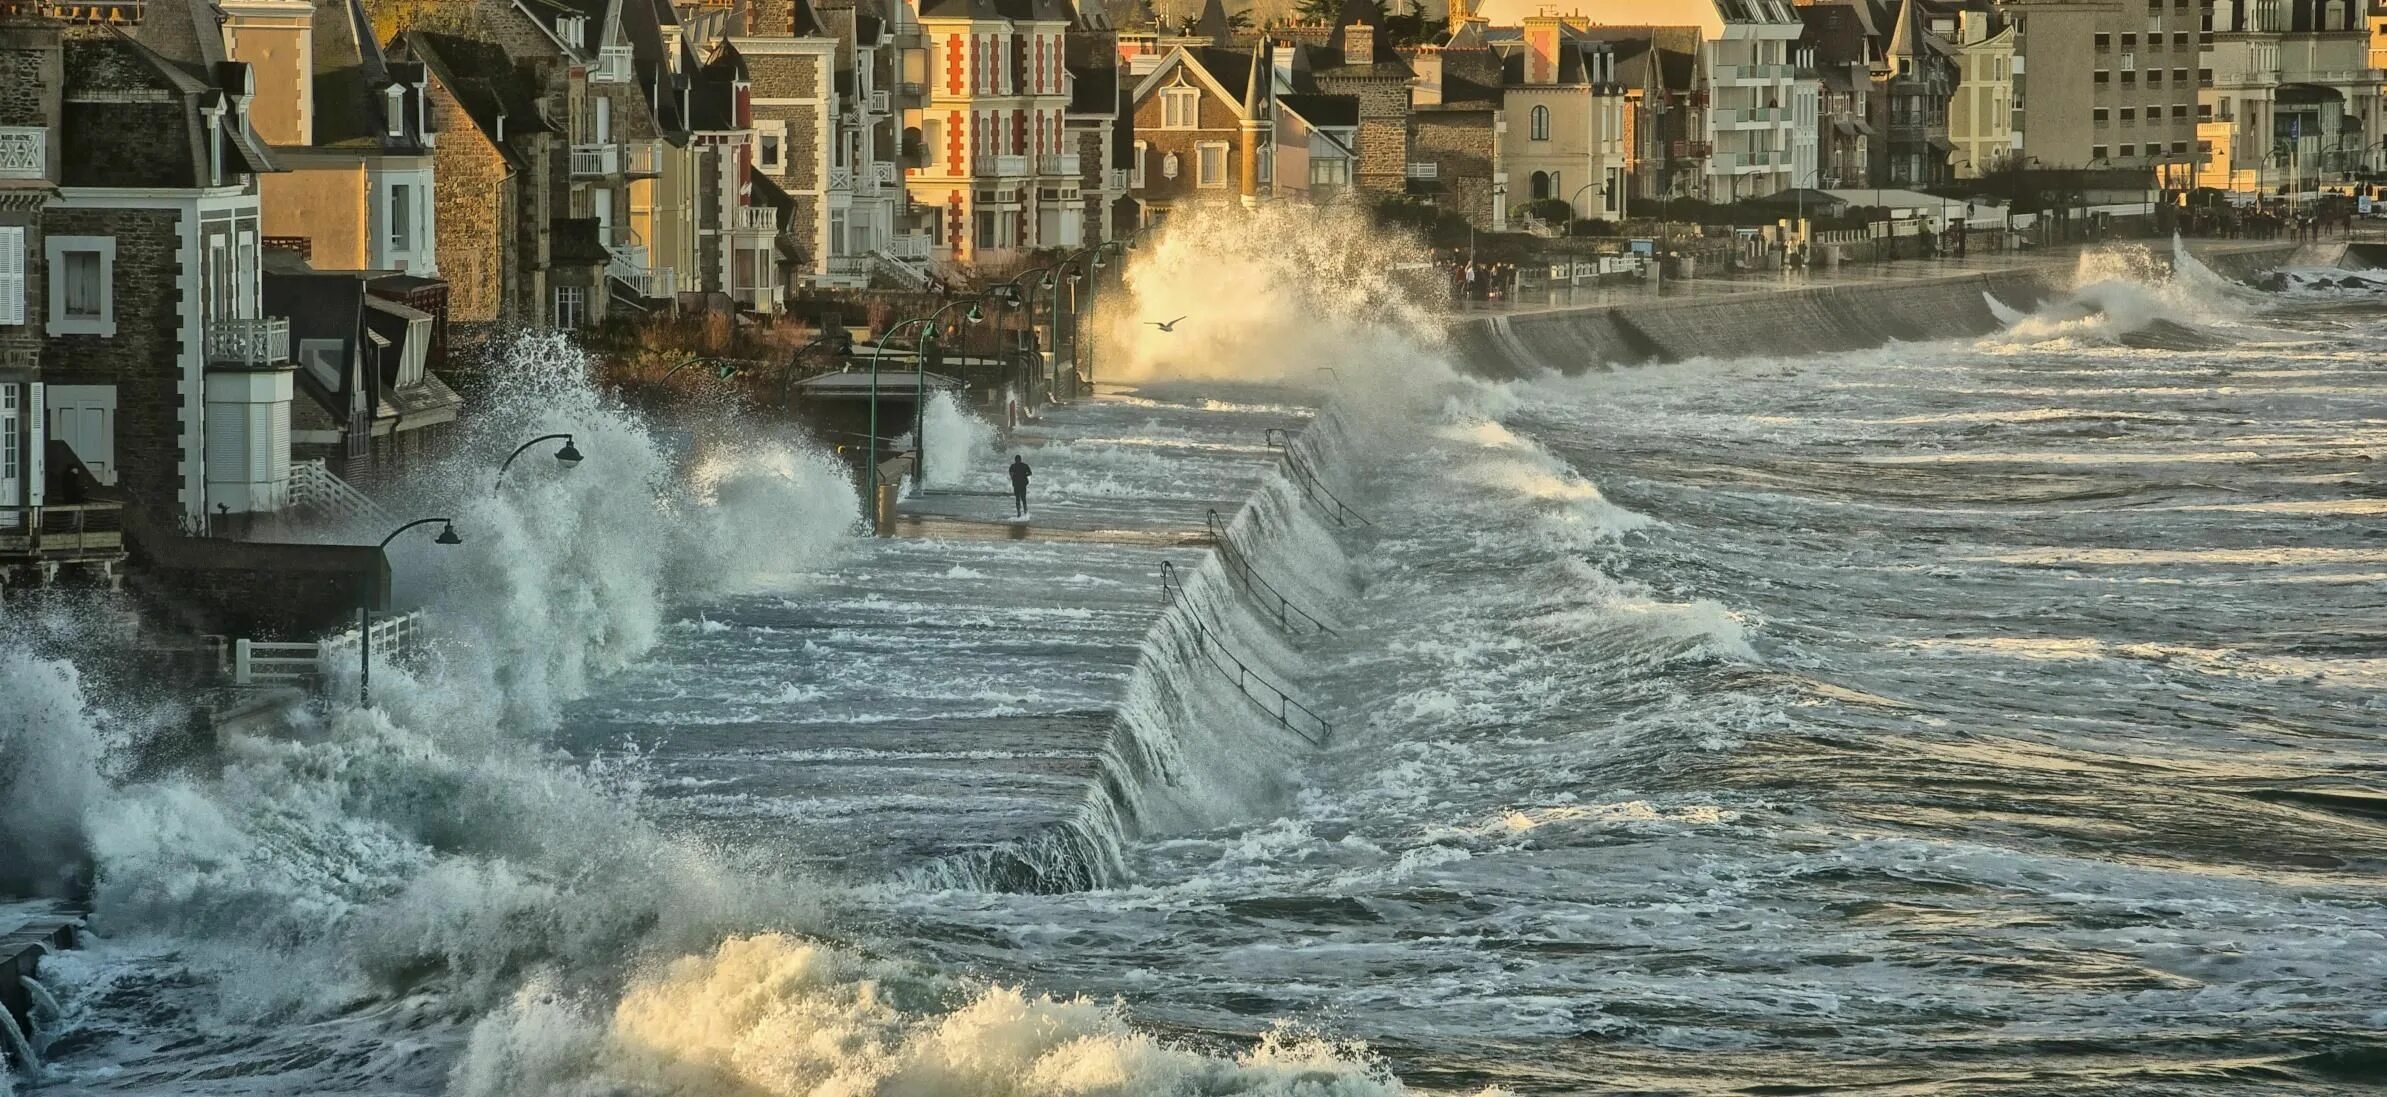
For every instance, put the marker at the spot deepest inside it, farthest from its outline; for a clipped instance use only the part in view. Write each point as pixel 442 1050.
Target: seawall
pixel 1813 318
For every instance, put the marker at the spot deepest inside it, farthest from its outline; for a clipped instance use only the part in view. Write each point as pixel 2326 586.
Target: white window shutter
pixel 12 275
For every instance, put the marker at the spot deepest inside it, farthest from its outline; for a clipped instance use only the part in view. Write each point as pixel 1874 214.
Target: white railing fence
pixel 264 663
pixel 313 488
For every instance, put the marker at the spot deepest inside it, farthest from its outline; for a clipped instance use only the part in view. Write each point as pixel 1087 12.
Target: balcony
pixel 63 533
pixel 126 13
pixel 841 179
pixel 24 152
pixel 612 67
pixel 1116 180
pixel 1058 164
pixel 758 219
pixel 600 161
pixel 645 160
pixel 911 89
pixel 884 174
pixel 909 245
pixel 881 102
pixel 248 344
pixel 1007 167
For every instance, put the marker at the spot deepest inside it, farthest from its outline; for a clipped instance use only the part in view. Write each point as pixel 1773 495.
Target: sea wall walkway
pixel 1768 314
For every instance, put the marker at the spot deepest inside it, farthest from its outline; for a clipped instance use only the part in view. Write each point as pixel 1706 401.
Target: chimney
pixel 1359 44
pixel 1543 33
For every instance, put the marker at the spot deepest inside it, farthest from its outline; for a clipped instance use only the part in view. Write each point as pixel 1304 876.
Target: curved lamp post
pixel 569 455
pixel 364 612
pixel 838 341
pixel 920 365
pixel 1570 203
pixel 723 368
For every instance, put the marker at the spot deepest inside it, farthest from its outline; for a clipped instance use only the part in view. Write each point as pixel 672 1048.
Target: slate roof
pixel 1093 89
pixel 486 83
pixel 1323 110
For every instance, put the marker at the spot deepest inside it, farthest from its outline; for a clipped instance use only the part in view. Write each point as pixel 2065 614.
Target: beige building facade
pixel 1981 114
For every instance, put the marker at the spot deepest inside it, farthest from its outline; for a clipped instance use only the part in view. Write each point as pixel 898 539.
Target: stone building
pixel 1838 42
pixel 751 231
pixel 133 345
pixel 1912 84
pixel 1457 125
pixel 1663 76
pixel 1100 124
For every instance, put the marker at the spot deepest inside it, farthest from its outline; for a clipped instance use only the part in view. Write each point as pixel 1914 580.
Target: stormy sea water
pixel 1989 716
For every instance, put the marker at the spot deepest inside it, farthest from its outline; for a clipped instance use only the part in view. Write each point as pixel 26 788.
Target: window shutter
pixel 12 275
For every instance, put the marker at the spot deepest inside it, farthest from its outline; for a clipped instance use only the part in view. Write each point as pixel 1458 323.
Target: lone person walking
pixel 1019 486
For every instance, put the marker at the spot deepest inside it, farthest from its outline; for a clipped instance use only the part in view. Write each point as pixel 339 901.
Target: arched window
pixel 1541 182
pixel 1541 123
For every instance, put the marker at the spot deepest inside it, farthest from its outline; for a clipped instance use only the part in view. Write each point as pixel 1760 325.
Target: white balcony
pixel 881 102
pixel 884 174
pixel 596 161
pixel 841 179
pixel 1117 180
pixel 851 265
pixel 1058 164
pixel 645 159
pixel 1425 171
pixel 1007 167
pixel 23 152
pixel 248 343
pixel 909 245
pixel 758 219
pixel 612 67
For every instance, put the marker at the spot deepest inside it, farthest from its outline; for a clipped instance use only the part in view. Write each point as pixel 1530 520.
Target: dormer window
pixel 394 110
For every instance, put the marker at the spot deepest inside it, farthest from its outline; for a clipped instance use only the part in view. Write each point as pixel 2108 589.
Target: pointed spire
pixel 1213 23
pixel 1253 103
pixel 1906 39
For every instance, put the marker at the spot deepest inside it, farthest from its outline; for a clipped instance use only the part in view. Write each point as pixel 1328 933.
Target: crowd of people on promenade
pixel 2270 222
pixel 1470 280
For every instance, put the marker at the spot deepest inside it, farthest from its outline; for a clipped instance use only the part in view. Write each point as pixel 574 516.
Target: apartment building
pixel 1981 113
pixel 2108 86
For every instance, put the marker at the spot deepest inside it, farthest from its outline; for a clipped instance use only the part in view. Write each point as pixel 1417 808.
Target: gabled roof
pixel 1212 23
pixel 712 96
pixel 175 129
pixel 1647 57
pixel 487 84
pixel 1025 11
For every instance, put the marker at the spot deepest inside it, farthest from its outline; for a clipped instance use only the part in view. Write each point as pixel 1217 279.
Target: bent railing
pixel 1281 440
pixel 1255 584
pixel 1288 713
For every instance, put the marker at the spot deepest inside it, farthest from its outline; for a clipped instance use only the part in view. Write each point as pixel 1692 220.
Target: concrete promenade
pixel 948 691
pixel 1891 272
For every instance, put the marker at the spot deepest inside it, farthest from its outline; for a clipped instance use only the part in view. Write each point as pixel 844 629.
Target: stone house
pixel 773 113
pixel 1358 61
pixel 367 404
pixel 162 372
pixel 1663 76
pixel 1099 126
pixel 747 226
pixel 1838 40
pixel 1250 125
pixel 1913 81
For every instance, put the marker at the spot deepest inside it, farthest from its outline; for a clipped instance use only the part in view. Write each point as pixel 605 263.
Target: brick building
pixel 994 165
pixel 1247 124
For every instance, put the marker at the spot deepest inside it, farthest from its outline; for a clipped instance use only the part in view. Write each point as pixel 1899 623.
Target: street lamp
pixel 723 368
pixel 569 455
pixel 364 609
pixel 1570 202
pixel 920 365
pixel 839 341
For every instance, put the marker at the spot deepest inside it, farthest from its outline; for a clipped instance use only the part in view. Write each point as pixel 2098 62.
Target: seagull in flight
pixel 1170 325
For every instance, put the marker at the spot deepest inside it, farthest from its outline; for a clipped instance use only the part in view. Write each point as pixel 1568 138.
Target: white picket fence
pixel 263 663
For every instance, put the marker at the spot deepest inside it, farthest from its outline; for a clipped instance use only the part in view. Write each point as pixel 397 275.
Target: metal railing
pixel 1288 713
pixel 1254 583
pixel 62 530
pixel 252 342
pixel 1312 488
pixel 24 152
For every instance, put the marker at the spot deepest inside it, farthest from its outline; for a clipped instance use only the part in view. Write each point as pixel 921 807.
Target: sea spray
pixel 777 1016
pixel 961 446
pixel 52 749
